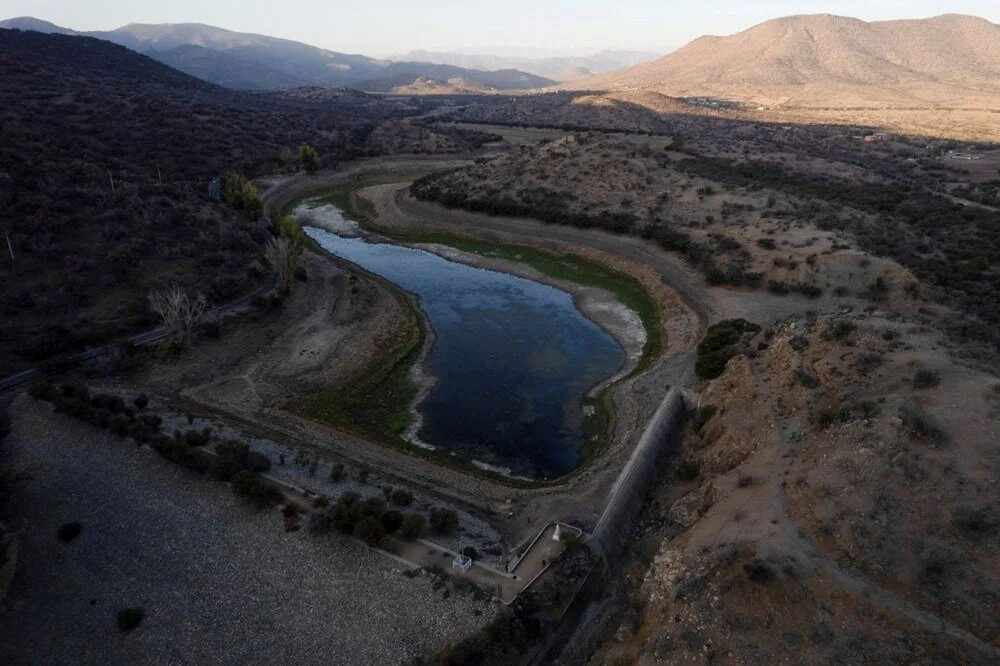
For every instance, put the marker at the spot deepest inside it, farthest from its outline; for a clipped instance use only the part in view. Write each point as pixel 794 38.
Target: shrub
pixel 718 346
pixel 926 379
pixel 443 521
pixel 69 531
pixel 401 498
pixel 337 472
pixel 977 521
pixel 759 571
pixel 255 488
pixel 922 427
pixel 745 481
pixel 392 520
pixel 129 618
pixel 470 552
pixel 413 525
pixel 841 329
pixel 370 530
pixel 687 470
pixel 141 401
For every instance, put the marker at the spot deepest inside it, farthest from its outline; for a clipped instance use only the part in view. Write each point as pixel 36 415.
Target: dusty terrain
pixel 843 507
pixel 218 581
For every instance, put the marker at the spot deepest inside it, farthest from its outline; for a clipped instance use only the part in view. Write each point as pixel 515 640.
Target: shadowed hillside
pixel 77 113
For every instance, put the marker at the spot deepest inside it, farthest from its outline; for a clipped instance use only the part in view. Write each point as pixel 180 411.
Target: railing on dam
pixel 629 492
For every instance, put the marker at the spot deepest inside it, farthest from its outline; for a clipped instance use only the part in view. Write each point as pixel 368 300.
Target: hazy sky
pixel 385 27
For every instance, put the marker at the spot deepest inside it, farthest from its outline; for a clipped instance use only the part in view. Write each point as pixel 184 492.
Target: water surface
pixel 513 359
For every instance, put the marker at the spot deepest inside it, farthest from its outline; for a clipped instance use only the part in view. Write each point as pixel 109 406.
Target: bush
pixel 392 520
pixel 337 472
pixel 443 521
pixel 470 552
pixel 687 470
pixel 401 498
pixel 841 329
pixel 69 531
pixel 141 401
pixel 255 488
pixel 370 530
pixel 413 525
pixel 759 571
pixel 718 346
pixel 926 379
pixel 129 618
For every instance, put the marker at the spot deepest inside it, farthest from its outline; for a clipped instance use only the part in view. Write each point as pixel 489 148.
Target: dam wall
pixel 643 467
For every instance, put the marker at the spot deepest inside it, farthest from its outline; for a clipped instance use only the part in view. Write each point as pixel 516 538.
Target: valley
pixel 644 367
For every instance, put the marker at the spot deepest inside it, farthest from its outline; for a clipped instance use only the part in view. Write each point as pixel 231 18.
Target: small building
pixel 462 563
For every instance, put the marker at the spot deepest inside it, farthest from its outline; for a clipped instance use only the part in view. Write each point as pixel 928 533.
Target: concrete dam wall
pixel 627 495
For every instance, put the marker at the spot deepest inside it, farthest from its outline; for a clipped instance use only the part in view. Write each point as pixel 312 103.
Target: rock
pixel 690 508
pixel 896 422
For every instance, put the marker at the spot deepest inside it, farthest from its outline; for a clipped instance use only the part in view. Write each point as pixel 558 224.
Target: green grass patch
pixel 376 403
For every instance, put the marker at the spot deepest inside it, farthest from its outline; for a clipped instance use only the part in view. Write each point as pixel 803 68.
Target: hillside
pixel 248 61
pixel 223 69
pixel 562 68
pixel 831 61
pixel 424 77
pixel 79 113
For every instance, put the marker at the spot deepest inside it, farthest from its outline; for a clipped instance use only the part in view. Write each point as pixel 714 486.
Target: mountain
pixel 825 61
pixel 425 77
pixel 222 69
pixel 38 25
pixel 299 62
pixel 564 68
pixel 258 62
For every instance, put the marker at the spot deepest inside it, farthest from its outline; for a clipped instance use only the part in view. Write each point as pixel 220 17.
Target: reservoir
pixel 512 359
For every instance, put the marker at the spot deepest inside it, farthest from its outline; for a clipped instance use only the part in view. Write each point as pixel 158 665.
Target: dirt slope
pixel 825 60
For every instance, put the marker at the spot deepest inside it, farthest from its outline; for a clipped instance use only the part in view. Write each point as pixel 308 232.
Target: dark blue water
pixel 513 358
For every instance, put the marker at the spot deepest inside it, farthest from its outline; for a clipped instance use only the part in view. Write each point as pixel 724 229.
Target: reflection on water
pixel 513 358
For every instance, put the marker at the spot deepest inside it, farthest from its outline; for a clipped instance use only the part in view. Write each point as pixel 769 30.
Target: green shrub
pixel 413 525
pixel 129 618
pixel 443 521
pixel 370 530
pixel 470 552
pixel 718 346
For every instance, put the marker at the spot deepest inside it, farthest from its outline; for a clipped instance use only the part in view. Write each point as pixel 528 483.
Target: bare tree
pixel 283 255
pixel 179 311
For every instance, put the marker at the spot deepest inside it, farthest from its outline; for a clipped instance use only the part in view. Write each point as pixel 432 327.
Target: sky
pixel 504 27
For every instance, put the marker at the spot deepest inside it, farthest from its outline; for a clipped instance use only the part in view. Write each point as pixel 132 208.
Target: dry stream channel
pixel 511 362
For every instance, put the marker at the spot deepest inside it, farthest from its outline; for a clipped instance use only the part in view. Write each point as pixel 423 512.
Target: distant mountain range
pixel 258 62
pixel 831 61
pixel 568 68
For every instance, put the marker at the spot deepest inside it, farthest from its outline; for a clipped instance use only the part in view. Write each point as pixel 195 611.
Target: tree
pixel 180 312
pixel 283 255
pixel 240 193
pixel 444 521
pixel 413 525
pixel 309 158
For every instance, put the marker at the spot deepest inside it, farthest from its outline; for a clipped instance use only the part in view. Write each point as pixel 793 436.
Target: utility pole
pixel 112 179
pixel 10 248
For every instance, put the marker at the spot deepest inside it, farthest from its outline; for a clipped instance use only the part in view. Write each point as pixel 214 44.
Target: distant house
pixel 879 136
